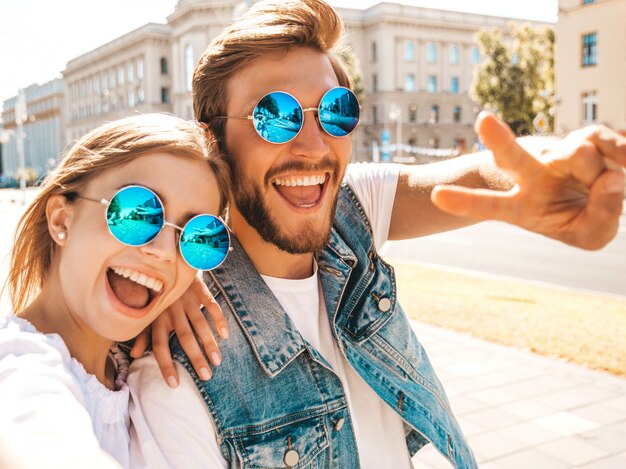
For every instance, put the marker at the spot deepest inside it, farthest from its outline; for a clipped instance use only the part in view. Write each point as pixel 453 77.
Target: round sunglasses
pixel 135 216
pixel 278 117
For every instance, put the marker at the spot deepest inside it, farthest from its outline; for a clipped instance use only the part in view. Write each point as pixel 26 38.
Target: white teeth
pixel 142 279
pixel 300 181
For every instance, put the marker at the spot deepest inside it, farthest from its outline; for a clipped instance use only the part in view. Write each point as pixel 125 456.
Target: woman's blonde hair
pixel 108 146
pixel 268 27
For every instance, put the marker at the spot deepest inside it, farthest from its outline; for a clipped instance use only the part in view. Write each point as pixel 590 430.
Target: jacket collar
pixel 271 334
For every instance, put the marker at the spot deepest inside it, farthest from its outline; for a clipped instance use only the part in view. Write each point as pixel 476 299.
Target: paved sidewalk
pixel 523 411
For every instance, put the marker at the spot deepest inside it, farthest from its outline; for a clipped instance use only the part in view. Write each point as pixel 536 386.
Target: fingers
pixel 606 198
pixel 204 297
pixel 500 139
pixel 188 340
pixel 611 144
pixel 478 204
pixel 161 328
pixel 141 343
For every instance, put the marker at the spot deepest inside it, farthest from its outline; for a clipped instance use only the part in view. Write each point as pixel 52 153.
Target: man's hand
pixel 573 192
pixel 185 317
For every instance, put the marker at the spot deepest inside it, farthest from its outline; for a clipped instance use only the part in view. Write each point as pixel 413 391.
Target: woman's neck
pixel 50 314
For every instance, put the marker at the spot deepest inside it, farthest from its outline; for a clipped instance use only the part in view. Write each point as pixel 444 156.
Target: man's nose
pixel 311 142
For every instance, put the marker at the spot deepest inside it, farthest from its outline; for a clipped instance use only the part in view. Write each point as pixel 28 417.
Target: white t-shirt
pixel 51 407
pixel 158 428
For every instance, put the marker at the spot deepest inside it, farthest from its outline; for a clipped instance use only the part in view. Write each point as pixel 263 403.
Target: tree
pixel 516 77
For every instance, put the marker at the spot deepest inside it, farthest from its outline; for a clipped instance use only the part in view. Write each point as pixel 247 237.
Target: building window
pixel 431 53
pixel 130 72
pixel 374 115
pixel 590 108
pixel 374 52
pixel 587 2
pixel 140 96
pixel 120 75
pixel 165 95
pixel 454 85
pixel 374 83
pixel 434 114
pixel 409 51
pixel 434 142
pixel 432 83
pixel 164 66
pixel 409 82
pixel 139 69
pixel 189 66
pixel 454 55
pixel 112 79
pixel 413 114
pixel 456 114
pixel 475 55
pixel 590 49
pixel 103 84
pixel 412 142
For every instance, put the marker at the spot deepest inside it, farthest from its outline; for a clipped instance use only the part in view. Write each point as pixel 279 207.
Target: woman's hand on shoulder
pixel 184 317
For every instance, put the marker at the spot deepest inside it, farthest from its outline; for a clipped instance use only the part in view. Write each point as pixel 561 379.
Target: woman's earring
pixel 61 235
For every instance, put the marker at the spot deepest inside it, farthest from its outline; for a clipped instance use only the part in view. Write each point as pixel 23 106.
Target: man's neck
pixel 267 258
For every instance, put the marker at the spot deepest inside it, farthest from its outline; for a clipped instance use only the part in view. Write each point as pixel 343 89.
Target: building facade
pixel 131 74
pixel 42 122
pixel 591 48
pixel 417 66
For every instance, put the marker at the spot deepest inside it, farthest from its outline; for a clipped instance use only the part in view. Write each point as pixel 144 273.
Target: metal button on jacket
pixel 384 304
pixel 339 423
pixel 291 457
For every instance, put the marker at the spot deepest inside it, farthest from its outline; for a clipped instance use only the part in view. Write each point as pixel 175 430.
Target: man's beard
pixel 248 200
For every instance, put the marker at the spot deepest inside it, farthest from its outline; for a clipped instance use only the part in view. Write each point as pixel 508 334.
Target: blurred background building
pixel 33 129
pixel 416 66
pixel 131 74
pixel 591 64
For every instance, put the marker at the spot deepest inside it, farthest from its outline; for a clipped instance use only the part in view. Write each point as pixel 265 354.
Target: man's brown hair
pixel 268 27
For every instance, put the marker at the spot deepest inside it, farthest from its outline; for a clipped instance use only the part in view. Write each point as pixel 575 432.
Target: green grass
pixel 587 329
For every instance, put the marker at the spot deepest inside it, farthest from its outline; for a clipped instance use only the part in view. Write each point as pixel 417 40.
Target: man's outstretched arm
pixel 571 190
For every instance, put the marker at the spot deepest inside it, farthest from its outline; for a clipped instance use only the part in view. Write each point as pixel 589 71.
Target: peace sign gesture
pixel 572 191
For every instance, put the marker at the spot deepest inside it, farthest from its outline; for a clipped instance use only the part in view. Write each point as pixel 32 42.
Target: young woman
pixel 117 233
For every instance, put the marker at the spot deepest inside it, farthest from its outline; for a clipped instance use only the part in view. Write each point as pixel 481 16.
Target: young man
pixel 321 368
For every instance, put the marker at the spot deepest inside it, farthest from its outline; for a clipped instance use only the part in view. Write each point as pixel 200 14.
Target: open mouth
pixel 133 289
pixel 302 191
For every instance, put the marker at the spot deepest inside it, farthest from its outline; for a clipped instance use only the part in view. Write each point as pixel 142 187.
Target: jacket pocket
pixel 299 444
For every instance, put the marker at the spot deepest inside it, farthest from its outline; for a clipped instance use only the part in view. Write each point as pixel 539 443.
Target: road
pixel 501 249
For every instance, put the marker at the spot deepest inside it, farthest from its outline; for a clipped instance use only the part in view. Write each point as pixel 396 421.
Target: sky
pixel 39 37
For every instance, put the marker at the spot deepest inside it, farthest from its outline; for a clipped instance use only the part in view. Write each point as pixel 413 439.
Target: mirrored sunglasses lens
pixel 135 216
pixel 339 112
pixel 278 117
pixel 204 242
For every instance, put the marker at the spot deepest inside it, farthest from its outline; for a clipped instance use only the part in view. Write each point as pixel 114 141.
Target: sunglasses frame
pixel 106 203
pixel 308 109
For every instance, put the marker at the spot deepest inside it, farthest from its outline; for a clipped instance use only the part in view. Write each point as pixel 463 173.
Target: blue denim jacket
pixel 274 399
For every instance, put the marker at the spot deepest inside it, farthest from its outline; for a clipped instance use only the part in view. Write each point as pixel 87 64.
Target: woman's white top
pixel 49 401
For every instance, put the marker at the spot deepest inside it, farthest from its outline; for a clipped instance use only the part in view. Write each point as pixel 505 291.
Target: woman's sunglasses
pixel 135 216
pixel 278 117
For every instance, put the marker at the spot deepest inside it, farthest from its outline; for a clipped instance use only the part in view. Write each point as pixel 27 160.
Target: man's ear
pixel 59 215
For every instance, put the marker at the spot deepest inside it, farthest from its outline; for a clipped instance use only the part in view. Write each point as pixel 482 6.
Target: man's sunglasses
pixel 278 117
pixel 135 216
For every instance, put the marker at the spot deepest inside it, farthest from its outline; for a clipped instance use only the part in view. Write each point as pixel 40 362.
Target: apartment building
pixel 131 74
pixel 591 64
pixel 417 66
pixel 37 114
